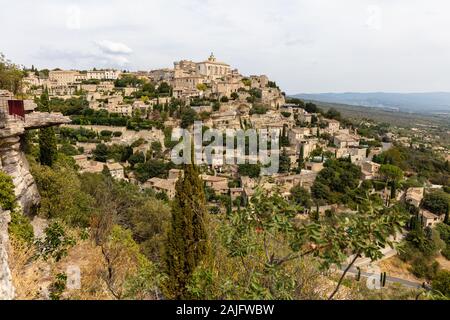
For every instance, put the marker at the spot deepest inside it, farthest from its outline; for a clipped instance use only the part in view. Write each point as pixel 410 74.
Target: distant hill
pixel 396 118
pixel 427 102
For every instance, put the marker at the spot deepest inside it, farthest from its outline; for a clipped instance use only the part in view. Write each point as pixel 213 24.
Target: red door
pixel 16 107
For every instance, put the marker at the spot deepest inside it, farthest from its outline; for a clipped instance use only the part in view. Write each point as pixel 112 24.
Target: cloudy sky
pixel 304 45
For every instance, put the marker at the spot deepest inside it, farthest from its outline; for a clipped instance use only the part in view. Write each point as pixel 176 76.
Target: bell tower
pixel 212 58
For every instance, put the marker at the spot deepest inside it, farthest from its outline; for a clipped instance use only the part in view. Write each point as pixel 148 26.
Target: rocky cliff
pixel 6 284
pixel 12 159
pixel 14 163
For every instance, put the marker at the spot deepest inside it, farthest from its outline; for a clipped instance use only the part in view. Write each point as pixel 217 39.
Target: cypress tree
pixel 301 160
pixel 47 139
pixel 187 242
pixel 393 190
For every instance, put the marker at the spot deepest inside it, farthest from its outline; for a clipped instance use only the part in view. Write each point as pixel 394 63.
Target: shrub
pixel 441 282
pixel 258 109
pixel 7 195
pixel 20 227
pixel 68 149
pixel 421 268
pixel 446 252
pixel 249 170
pixel 56 242
pixel 62 196
pixel 106 133
pixel 57 288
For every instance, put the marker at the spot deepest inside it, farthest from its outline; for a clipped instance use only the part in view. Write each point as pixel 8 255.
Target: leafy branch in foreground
pixel 268 235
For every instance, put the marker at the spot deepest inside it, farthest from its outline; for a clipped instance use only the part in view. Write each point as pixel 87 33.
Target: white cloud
pixel 111 47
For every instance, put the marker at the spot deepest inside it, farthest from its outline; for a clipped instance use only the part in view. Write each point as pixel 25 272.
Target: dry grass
pixel 395 267
pixel 443 262
pixel 30 276
pixel 86 256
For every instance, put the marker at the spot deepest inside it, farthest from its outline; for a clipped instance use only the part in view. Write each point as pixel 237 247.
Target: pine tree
pixel 187 242
pixel 47 139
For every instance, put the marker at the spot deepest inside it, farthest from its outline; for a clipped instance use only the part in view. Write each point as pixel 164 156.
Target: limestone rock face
pixel 6 284
pixel 14 163
pixel 12 159
pixel 36 120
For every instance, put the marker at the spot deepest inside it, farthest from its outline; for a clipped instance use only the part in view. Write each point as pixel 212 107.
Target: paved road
pixel 387 253
pixel 404 282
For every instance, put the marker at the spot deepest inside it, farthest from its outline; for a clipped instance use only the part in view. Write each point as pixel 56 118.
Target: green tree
pixel 156 148
pixel 187 242
pixel 62 195
pixel 301 196
pixel 100 152
pixel 151 168
pixel 7 196
pixel 301 158
pixel 284 139
pixel 391 172
pixel 268 242
pixel 10 75
pixel 437 202
pixel 164 89
pixel 47 138
pixel 249 170
pixel 333 114
pixel 441 283
pixel 149 225
pixel 136 158
pixel 285 162
pixel 336 181
pixel 311 107
pixel 56 242
pixel 188 116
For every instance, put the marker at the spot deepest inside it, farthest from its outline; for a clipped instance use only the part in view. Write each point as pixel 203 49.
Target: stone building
pixel 414 196
pixel 162 185
pixel 63 77
pixel 218 184
pixel 212 69
pixel 345 141
pixel 369 170
pixel 429 219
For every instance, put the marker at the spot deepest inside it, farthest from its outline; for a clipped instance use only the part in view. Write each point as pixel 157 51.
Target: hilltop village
pixel 135 111
pixel 119 124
